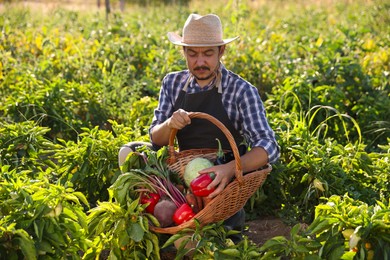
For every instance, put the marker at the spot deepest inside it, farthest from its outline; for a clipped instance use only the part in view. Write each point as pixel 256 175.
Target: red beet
pixel 164 211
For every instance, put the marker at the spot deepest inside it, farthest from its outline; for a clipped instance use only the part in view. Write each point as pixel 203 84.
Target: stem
pixel 220 153
pixel 168 189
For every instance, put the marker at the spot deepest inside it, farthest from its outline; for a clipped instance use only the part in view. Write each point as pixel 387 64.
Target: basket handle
pixel 229 136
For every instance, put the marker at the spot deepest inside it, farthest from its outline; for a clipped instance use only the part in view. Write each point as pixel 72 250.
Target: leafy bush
pixel 23 146
pixel 40 218
pixel 343 228
pixel 75 86
pixel 91 164
pixel 313 164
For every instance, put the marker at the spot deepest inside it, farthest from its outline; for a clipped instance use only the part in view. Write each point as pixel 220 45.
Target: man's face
pixel 203 61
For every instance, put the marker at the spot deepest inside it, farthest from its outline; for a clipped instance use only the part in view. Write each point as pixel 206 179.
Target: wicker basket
pixel 232 198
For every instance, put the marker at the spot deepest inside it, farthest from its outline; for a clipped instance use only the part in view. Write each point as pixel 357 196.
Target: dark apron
pixel 202 133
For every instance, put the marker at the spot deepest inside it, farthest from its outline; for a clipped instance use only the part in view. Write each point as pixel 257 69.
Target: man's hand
pixel 160 133
pixel 179 119
pixel 223 175
pixel 252 160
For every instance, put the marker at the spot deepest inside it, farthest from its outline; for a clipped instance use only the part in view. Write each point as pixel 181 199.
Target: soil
pixel 263 229
pixel 259 231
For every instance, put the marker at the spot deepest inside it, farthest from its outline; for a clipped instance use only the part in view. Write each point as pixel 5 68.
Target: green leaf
pixel 115 254
pixel 120 225
pixel 57 238
pixel 302 249
pixel 295 229
pixel 321 226
pixel 276 241
pixel 254 254
pixel 39 225
pixel 81 197
pixel 136 232
pixel 44 246
pixel 172 239
pixel 25 243
pixel 123 238
pixel 133 205
pixel 348 255
pixel 336 253
pixel 234 252
pixel 101 226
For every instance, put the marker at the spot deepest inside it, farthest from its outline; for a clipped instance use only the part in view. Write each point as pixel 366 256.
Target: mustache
pixel 202 68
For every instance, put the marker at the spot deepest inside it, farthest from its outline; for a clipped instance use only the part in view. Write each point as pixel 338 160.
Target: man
pixel 207 86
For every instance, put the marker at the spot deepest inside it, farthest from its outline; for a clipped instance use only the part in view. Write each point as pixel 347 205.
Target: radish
pixel 164 211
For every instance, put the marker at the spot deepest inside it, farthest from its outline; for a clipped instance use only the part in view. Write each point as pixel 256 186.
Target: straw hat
pixel 201 31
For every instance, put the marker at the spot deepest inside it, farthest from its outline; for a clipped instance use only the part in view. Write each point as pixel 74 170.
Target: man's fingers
pixel 217 191
pixel 180 119
pixel 219 184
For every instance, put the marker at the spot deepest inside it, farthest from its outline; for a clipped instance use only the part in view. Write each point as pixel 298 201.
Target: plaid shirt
pixel 240 99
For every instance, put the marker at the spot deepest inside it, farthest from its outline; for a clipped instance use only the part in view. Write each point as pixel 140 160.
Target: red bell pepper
pixel 152 199
pixel 200 183
pixel 183 214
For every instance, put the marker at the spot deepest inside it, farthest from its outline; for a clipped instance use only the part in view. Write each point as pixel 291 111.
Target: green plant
pixel 16 243
pixel 121 224
pixel 321 69
pixel 343 228
pixel 369 223
pixel 24 146
pixel 123 230
pixel 91 164
pixel 296 247
pixel 203 242
pixel 314 163
pixel 53 222
pixel 211 242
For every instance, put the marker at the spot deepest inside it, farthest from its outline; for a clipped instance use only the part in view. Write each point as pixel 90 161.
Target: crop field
pixel 78 82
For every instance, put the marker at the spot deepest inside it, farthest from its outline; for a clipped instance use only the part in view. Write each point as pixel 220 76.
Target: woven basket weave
pixel 232 198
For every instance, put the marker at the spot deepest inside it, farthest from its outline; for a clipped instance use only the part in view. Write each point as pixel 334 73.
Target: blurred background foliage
pixel 76 83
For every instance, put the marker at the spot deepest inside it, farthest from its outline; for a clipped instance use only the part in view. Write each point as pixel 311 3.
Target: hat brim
pixel 178 40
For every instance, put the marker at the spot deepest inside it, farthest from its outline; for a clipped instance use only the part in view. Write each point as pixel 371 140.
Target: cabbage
pixel 193 167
